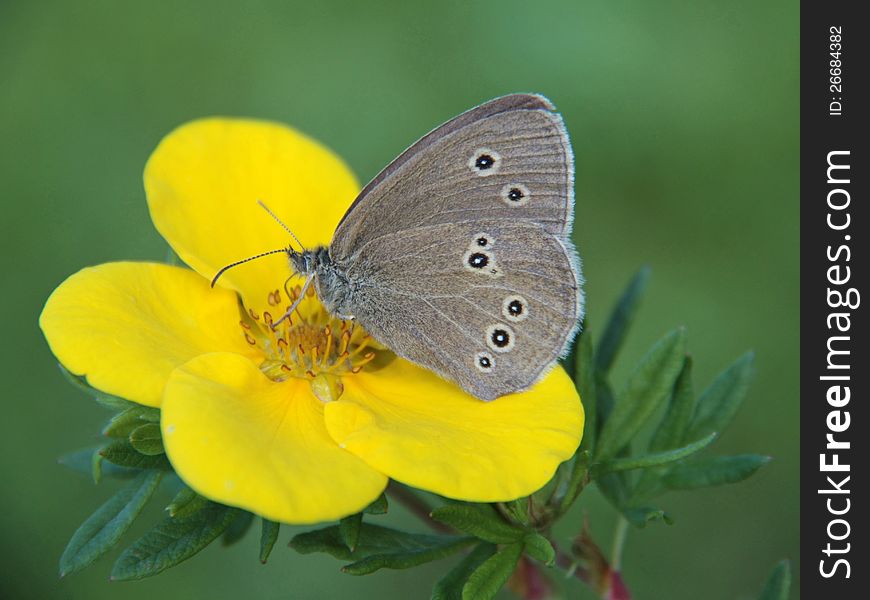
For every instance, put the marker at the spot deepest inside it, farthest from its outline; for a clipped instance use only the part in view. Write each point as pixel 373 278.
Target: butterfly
pixel 457 256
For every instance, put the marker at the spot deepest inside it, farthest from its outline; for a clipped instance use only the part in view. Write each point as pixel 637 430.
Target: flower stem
pixel 619 536
pixel 416 505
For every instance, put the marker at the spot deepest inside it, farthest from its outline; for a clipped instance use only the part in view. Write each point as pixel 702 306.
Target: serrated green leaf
pixel 123 454
pixel 237 528
pixel 83 462
pixel 647 388
pixel 719 402
pixel 650 460
pixel 104 528
pixel 123 423
pixel 172 541
pixel 379 547
pixel 620 320
pixel 450 586
pixel 479 520
pixel 539 548
pixel 778 583
pixel 487 579
pixel 185 503
pixel 378 507
pixel 717 470
pixel 108 400
pixel 639 516
pixel 268 537
pixel 585 379
pixel 349 528
pixel 146 439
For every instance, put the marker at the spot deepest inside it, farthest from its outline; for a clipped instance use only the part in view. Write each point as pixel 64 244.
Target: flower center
pixel 309 344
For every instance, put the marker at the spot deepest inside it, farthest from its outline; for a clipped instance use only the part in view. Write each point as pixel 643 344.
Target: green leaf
pixel 146 439
pixel 485 582
pixel 719 402
pixel 104 528
pixel 172 541
pixel 585 378
pixel 671 432
pixel 716 470
pixel 516 511
pixel 614 487
pixel 647 389
pixel 379 547
pixel 576 481
pixel 268 537
pixel 237 528
pixel 123 454
pixel 539 548
pixel 778 583
pixel 620 320
pixel 479 520
pixel 173 259
pixel 349 528
pixel 569 360
pixel 450 586
pixel 378 507
pixel 185 503
pixel 108 400
pixel 639 516
pixel 123 423
pixel 83 461
pixel 650 460
pixel 97 467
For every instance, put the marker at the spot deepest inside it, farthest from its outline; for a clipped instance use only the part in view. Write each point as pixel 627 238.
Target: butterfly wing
pixel 489 304
pixel 511 155
pixel 420 280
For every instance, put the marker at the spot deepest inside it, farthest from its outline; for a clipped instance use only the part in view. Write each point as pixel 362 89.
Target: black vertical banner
pixel 835 431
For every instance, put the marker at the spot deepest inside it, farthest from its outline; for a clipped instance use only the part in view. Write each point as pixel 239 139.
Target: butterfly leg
pixel 296 302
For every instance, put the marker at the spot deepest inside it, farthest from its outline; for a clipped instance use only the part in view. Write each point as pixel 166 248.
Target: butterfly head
pixel 307 262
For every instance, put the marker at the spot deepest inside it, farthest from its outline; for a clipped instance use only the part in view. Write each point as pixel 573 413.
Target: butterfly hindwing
pixel 489 304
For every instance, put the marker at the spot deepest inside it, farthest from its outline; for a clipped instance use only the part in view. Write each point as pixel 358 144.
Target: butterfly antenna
pixel 241 262
pixel 281 223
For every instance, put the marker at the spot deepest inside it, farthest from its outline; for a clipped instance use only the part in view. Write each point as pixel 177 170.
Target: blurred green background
pixel 684 119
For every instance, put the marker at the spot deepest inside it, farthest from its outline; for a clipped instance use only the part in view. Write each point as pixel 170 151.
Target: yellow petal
pixel 421 430
pixel 203 182
pixel 126 326
pixel 239 438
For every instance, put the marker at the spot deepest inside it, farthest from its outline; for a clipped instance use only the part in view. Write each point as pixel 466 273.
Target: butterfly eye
pixel 515 308
pixel 515 194
pixel 484 162
pixel 500 338
pixel 484 362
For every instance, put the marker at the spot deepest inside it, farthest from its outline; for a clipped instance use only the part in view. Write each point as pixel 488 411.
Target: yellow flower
pixel 307 423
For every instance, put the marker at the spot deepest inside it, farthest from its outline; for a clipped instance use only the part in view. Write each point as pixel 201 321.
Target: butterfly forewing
pixel 516 163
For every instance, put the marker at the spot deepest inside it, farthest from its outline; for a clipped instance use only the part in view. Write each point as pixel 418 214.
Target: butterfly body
pixel 457 256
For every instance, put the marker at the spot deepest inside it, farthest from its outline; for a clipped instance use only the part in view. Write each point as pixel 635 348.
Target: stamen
pixel 311 345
